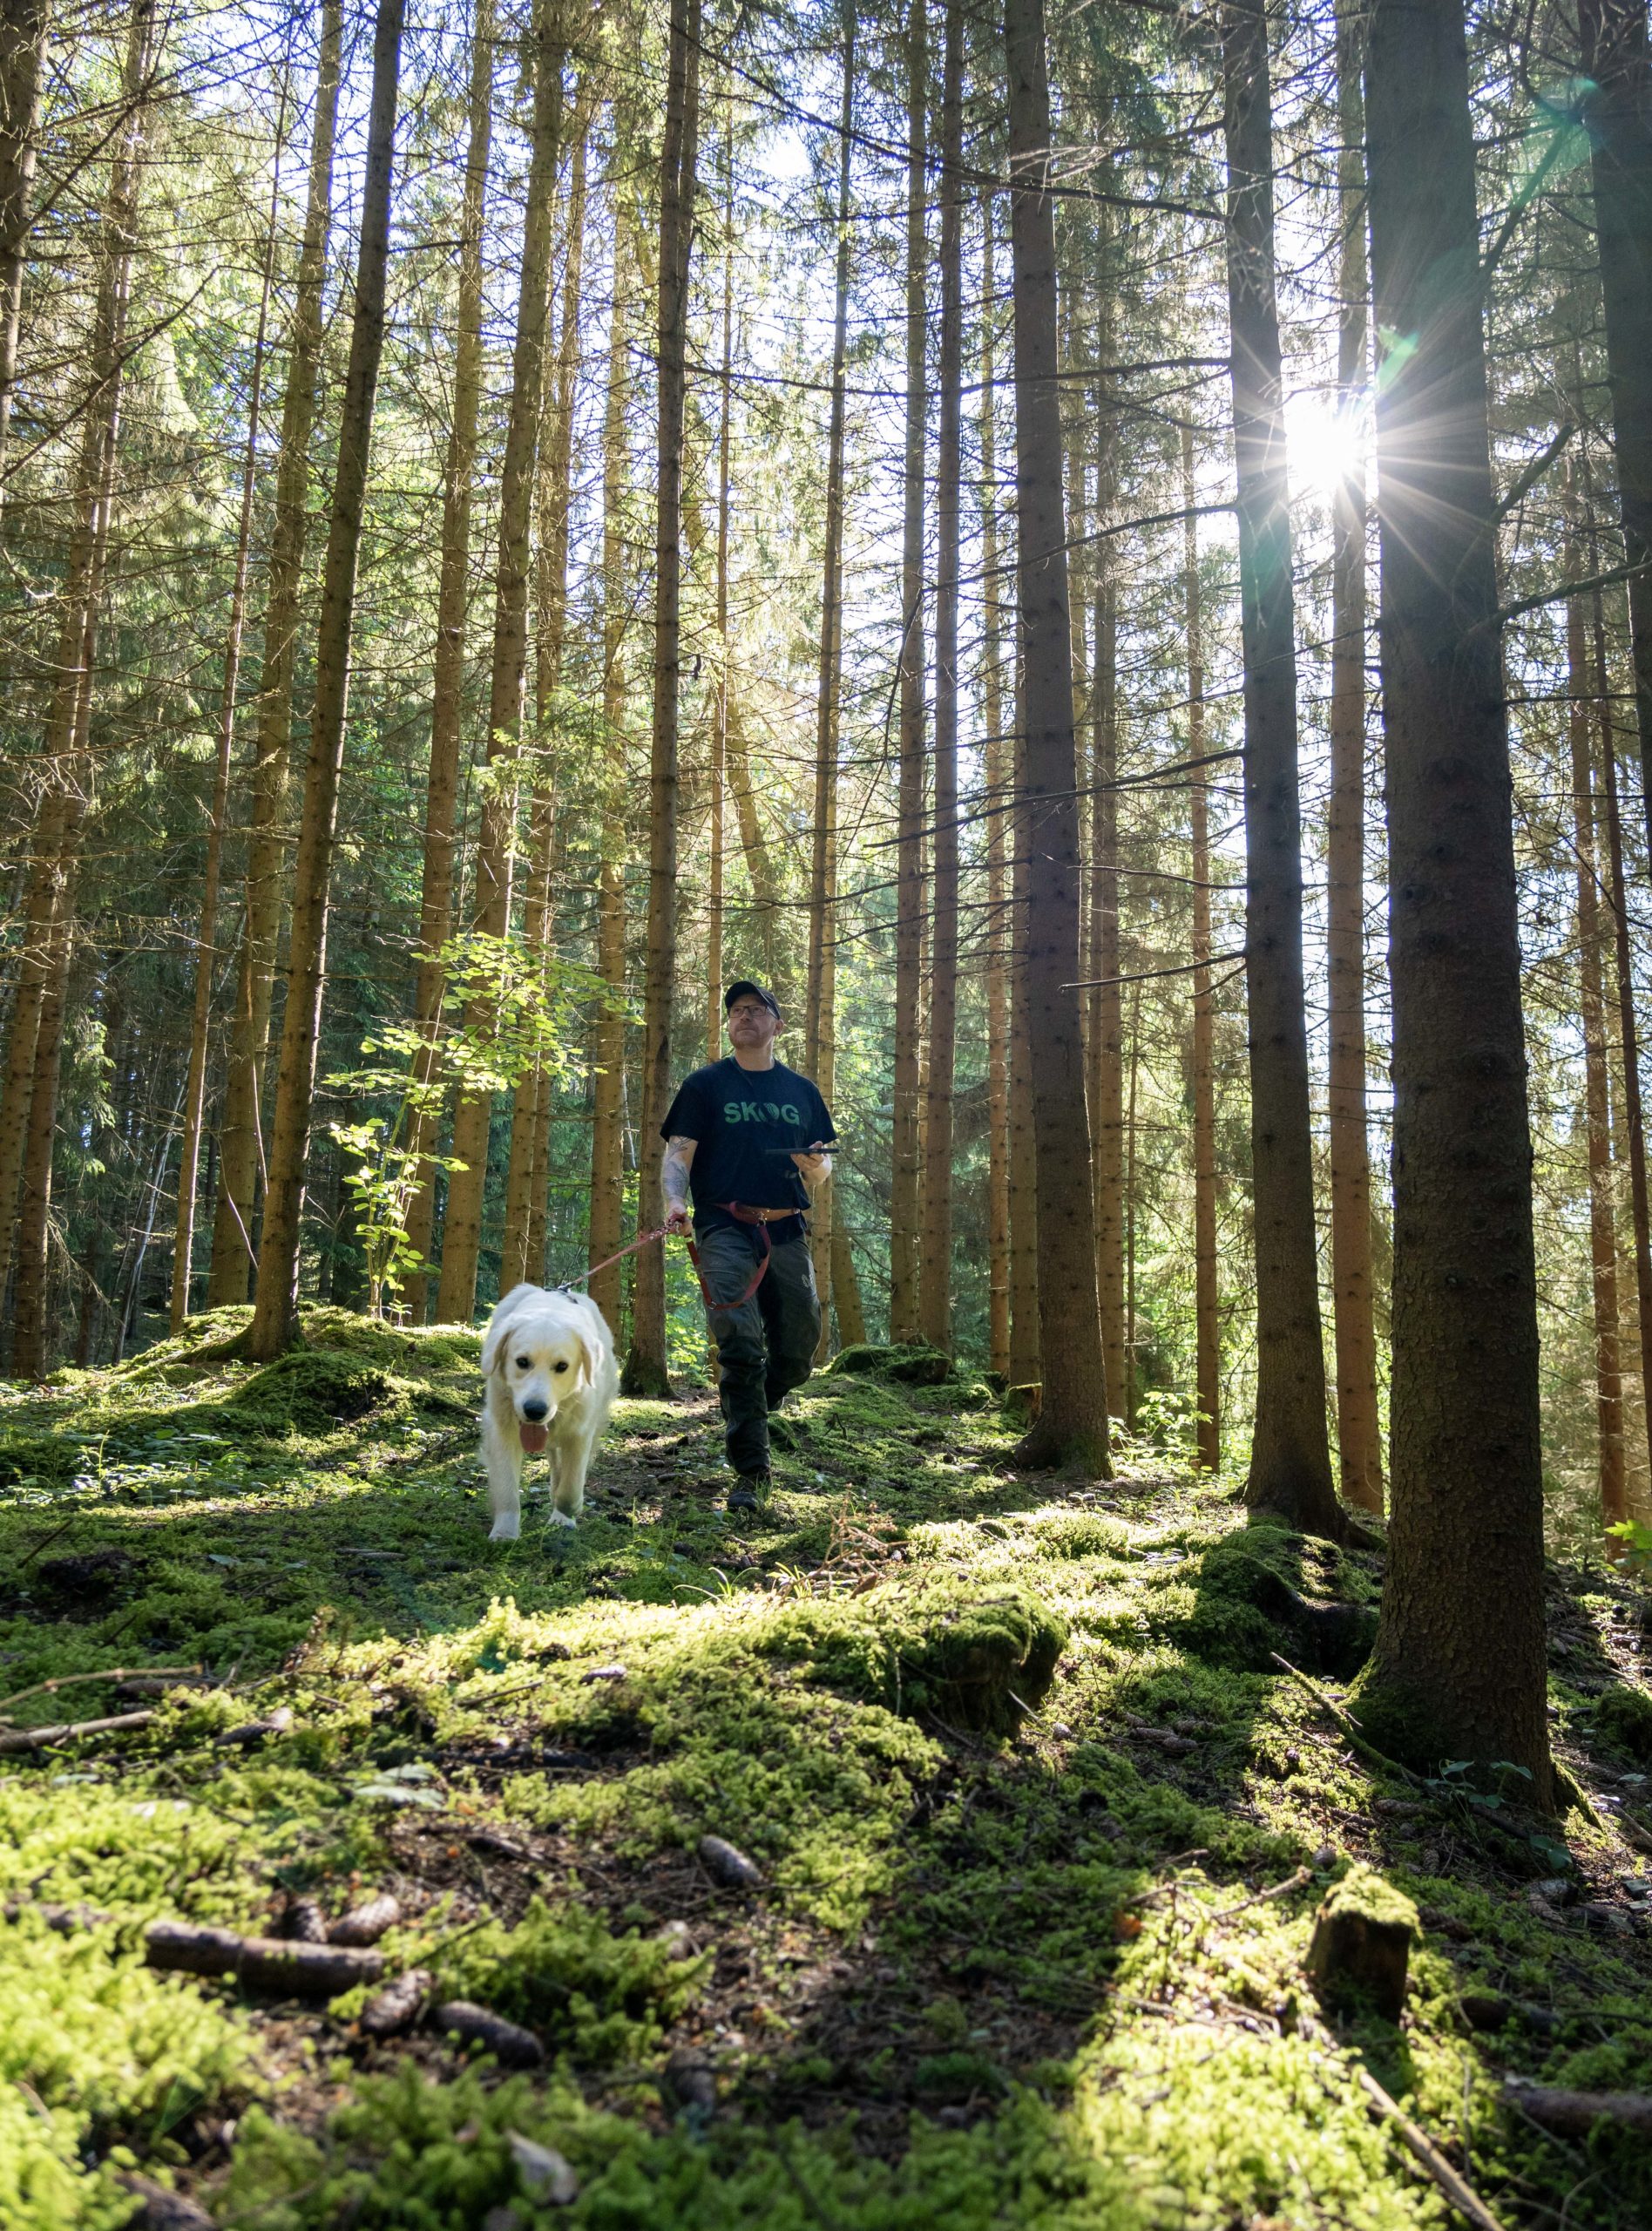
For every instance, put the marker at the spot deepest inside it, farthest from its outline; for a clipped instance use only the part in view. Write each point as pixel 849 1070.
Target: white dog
pixel 547 1360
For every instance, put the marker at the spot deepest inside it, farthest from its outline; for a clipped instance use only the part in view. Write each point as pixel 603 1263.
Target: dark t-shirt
pixel 746 1125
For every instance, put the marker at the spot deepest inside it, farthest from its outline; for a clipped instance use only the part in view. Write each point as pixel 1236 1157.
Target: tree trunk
pixel 1609 1387
pixel 194 1103
pixel 1074 1417
pixel 1206 1297
pixel 1459 1669
pixel 274 1316
pixel 452 601
pixel 820 1002
pixel 1358 1434
pixel 846 1295
pixel 495 849
pixel 24 29
pixel 1106 997
pixel 608 1030
pixel 645 1369
pixel 28 1114
pixel 904 1193
pixel 1634 1123
pixel 935 1265
pixel 241 1130
pixel 528 1174
pixel 1291 1456
pixel 999 768
pixel 1617 111
pixel 1023 1161
pixel 719 767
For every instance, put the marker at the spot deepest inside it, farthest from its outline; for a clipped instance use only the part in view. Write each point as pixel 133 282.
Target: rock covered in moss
pixel 972 1657
pixel 312 1391
pixel 1624 1717
pixel 1360 1951
pixel 1252 1598
pixel 917 1365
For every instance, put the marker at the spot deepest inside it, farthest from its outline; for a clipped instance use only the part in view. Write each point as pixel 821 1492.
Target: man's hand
pixel 678 1219
pixel 814 1165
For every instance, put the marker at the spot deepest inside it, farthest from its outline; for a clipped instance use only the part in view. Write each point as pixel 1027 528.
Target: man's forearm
pixel 674 1173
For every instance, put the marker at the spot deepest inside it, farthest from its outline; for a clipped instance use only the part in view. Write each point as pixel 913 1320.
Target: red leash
pixel 660 1232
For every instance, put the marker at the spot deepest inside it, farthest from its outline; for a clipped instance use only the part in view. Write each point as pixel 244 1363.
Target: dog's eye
pixel 562 1366
pixel 524 1362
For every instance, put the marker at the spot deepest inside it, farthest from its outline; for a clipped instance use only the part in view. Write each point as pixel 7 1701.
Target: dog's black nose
pixel 534 1411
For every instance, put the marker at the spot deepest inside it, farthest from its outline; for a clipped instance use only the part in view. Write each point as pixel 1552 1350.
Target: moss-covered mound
pixel 1623 1716
pixel 969 1656
pixel 911 1366
pixel 1255 1593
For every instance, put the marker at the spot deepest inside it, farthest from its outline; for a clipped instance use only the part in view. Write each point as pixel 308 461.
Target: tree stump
pixel 1360 1952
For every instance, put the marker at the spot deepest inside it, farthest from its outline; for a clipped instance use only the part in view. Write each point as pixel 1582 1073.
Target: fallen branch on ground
pixel 1575 2114
pixel 1349 1727
pixel 266 1963
pixel 115 1673
pixel 1303 1877
pixel 511 2045
pixel 1462 2196
pixel 67 1731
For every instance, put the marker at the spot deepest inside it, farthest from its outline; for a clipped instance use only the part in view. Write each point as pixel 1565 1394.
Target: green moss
pixel 1623 1716
pixel 975 1658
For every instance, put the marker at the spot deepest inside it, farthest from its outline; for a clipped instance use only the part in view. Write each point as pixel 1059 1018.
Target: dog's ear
pixel 588 1361
pixel 498 1333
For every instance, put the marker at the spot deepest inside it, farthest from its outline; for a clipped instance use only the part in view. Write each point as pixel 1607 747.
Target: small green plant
pixel 527 1002
pixel 1636 1553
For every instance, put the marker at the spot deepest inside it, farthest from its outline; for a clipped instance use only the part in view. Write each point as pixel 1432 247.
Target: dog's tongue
pixel 533 1437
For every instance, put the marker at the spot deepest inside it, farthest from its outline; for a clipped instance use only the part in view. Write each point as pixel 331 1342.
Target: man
pixel 747 1138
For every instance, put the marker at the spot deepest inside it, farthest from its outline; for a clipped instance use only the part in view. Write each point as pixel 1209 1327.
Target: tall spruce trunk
pixel 718 770
pixel 241 1143
pixel 496 847
pixel 645 1369
pixel 194 1101
pixel 1207 1319
pixel 1358 1431
pixel 935 1261
pixel 1290 1455
pixel 1617 111
pixel 820 1001
pixel 276 1304
pixel 1459 1669
pixel 1023 1159
pixel 999 751
pixel 29 1108
pixel 905 1173
pixel 447 692
pixel 24 30
pixel 528 1173
pixel 1072 1419
pixel 608 1028
pixel 1105 995
pixel 1634 1123
pixel 1608 1385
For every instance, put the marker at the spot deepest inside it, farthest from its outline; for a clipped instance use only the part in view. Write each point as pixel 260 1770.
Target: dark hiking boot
pixel 747 1491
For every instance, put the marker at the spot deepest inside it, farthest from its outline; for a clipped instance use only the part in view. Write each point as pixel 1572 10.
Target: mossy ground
pixel 1001 1969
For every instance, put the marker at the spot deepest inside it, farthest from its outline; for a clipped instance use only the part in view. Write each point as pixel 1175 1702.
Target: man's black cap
pixel 744 985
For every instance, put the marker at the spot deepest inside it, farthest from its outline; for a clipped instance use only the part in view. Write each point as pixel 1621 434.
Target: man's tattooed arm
pixel 673 1178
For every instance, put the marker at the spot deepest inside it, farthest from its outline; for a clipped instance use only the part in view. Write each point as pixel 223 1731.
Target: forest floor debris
pixel 1033 1831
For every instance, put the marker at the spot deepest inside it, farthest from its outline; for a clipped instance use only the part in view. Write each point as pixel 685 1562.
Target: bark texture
pixel 1073 1416
pixel 24 30
pixel 1290 1454
pixel 1206 1289
pixel 495 848
pixel 1618 112
pixel 904 1157
pixel 447 693
pixel 645 1370
pixel 1358 1430
pixel 276 1308
pixel 240 1142
pixel 935 1264
pixel 1459 1669
pixel 1000 774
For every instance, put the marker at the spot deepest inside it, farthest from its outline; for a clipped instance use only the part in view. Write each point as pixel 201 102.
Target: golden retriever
pixel 547 1362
